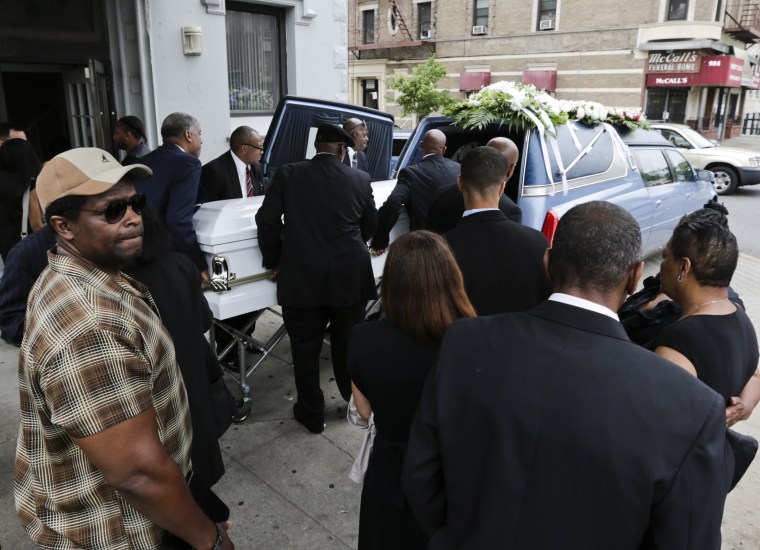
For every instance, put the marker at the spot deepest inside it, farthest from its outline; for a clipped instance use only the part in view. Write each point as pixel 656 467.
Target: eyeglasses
pixel 259 147
pixel 115 211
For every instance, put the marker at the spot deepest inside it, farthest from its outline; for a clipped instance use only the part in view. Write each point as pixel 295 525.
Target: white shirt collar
pixel 584 304
pixel 476 210
pixel 240 166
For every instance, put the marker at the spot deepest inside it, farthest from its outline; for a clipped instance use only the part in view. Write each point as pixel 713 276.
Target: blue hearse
pixel 637 169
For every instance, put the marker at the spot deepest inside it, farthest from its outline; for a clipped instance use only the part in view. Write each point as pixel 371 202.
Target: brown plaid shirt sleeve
pixel 94 354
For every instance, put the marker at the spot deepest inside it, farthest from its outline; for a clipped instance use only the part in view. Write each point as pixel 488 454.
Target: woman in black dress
pixel 175 284
pixel 389 360
pixel 713 339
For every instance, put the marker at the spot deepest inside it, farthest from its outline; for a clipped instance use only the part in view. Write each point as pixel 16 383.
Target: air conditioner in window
pixel 546 24
pixel 479 29
pixel 426 34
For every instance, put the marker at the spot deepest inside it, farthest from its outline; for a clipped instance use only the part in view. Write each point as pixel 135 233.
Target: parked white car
pixel 732 167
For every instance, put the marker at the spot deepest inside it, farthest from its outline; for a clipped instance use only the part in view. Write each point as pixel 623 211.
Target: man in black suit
pixel 236 173
pixel 173 189
pixel 415 187
pixel 501 261
pixel 447 205
pixel 233 175
pixel 320 260
pixel 556 431
pixel 356 157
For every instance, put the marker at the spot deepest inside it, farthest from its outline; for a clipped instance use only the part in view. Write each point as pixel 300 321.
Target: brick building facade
pixel 690 61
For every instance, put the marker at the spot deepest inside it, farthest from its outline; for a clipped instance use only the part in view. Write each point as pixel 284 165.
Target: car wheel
pixel 725 181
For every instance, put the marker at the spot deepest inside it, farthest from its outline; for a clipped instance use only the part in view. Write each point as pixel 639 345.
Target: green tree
pixel 418 94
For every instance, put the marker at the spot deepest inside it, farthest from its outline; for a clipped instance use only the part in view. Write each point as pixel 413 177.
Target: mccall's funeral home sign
pixel 674 62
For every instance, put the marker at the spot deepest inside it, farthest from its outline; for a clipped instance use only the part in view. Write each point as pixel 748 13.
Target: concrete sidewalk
pixel 288 488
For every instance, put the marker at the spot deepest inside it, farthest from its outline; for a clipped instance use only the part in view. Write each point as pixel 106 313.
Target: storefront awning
pixel 543 80
pixel 473 81
pixel 704 44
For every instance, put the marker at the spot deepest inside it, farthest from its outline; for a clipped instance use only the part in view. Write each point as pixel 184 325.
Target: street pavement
pixel 288 488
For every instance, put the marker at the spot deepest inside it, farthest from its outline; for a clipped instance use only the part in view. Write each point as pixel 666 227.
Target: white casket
pixel 228 237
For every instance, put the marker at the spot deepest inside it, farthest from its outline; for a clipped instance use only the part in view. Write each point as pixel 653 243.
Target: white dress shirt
pixel 583 303
pixel 240 166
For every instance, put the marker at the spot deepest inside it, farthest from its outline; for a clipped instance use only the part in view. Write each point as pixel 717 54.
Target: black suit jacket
pixel 361 161
pixel 414 189
pixel 502 262
pixel 550 429
pixel 220 181
pixel 321 251
pixel 173 192
pixel 447 206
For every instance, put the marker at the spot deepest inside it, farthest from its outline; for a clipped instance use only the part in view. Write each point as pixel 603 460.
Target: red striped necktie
pixel 248 182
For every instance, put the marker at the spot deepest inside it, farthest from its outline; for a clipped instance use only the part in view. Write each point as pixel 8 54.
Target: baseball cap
pixel 332 133
pixel 83 171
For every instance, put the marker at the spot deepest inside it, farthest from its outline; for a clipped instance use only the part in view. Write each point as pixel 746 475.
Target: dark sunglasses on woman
pixel 115 210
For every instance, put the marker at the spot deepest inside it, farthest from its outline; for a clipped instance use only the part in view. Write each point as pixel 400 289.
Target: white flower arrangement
pixel 522 105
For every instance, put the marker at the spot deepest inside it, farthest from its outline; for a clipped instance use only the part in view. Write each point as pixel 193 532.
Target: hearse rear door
pixel 294 126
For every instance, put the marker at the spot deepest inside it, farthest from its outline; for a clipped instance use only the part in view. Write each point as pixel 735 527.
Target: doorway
pixel 35 101
pixel 369 93
pixel 667 104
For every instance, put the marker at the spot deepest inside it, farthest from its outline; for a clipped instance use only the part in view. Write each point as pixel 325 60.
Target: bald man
pixel 356 157
pixel 447 206
pixel 236 174
pixel 415 187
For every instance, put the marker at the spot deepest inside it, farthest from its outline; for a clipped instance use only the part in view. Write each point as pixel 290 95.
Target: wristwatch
pixel 219 542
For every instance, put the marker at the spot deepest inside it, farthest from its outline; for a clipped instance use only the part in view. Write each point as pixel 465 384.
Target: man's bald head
pixel 358 130
pixel 434 142
pixel 507 148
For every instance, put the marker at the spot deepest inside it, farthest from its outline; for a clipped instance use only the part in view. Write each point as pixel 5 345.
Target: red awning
pixel 721 70
pixel 670 80
pixel 473 81
pixel 543 80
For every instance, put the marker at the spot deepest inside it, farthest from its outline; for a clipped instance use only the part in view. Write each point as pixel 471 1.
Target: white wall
pixel 192 84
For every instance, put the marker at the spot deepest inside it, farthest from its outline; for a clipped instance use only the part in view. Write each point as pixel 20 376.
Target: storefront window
pixel 667 104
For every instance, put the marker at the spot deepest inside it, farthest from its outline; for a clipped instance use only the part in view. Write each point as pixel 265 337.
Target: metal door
pixel 87 106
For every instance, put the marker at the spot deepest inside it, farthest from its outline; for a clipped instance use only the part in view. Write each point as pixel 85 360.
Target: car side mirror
pixel 704 175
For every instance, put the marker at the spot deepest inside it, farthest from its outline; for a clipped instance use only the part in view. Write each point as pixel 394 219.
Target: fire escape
pixel 407 40
pixel 742 20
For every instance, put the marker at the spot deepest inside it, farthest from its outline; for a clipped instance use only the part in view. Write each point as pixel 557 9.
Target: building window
pixel 255 57
pixel 368 27
pixel 547 14
pixel 425 20
pixel 480 13
pixel 677 10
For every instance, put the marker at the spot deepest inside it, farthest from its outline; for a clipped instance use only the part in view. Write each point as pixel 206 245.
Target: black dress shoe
pixel 314 425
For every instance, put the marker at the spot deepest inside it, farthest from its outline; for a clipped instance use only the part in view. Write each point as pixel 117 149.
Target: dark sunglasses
pixel 115 211
pixel 259 147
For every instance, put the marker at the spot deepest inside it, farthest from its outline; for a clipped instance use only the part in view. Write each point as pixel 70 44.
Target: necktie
pixel 248 182
pixel 354 161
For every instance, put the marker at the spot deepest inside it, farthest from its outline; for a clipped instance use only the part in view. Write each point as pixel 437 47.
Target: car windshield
pixel 696 138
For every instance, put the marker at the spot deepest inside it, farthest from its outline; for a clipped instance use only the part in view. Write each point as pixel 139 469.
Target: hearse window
pixel 681 167
pixel 653 167
pixel 597 144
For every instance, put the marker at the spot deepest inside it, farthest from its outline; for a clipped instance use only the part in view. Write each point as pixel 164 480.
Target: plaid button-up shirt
pixel 94 354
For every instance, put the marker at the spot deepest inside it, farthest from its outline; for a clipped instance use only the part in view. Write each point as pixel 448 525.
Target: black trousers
pixel 306 328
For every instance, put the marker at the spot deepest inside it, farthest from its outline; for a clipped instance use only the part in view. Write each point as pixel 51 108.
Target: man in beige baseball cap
pixel 97 377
